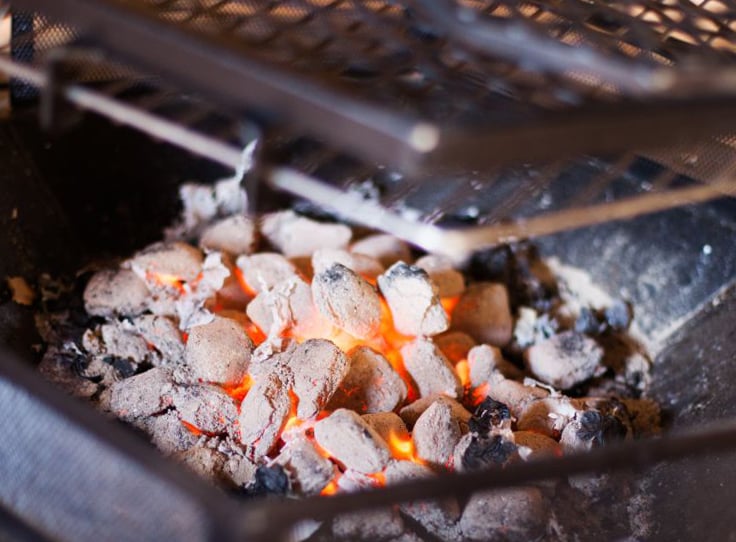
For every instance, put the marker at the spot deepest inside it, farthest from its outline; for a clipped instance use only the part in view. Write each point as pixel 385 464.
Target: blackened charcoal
pixel 619 315
pixel 490 413
pixel 271 481
pixel 122 365
pixel 484 452
pixel 600 429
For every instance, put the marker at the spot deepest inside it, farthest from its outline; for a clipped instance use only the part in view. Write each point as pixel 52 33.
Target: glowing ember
pixel 330 489
pixel 167 280
pixel 240 390
pixel 480 393
pixel 379 479
pixel 449 304
pixel 402 447
pixel 247 290
pixel 463 372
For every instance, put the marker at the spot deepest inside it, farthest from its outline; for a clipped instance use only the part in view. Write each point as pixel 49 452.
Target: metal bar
pixel 717 437
pixel 458 244
pixel 220 67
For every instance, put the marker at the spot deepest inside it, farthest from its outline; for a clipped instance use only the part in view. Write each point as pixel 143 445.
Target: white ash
pixel 264 270
pixel 352 441
pixel 167 432
pixel 272 357
pixel 565 360
pixel 296 235
pixel 141 395
pixel 58 366
pixel 371 384
pixel 430 369
pixel 455 345
pixel 116 292
pixel 190 305
pixel 515 395
pixel 531 328
pixel 435 434
pixel 116 339
pixel 318 368
pixel 348 301
pixel 161 333
pixel 385 248
pixel 519 513
pixel 483 313
pixel 449 281
pixel 365 266
pixel 438 517
pixel 379 524
pixel 413 300
pixel 351 481
pixel 207 462
pixel 177 259
pixel 287 306
pixel 309 472
pixel 206 407
pixel 218 352
pixel 203 203
pixel 388 425
pixel 235 235
pixel 239 470
pixel 263 413
pixel 411 412
pixel 484 361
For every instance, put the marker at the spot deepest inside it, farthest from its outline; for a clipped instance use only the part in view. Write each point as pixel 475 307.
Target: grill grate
pixel 433 114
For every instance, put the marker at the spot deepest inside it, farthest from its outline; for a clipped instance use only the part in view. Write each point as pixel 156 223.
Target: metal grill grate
pixel 414 116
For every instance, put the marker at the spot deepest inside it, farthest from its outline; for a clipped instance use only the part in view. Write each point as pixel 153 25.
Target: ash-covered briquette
pixel 176 259
pixel 455 345
pixel 206 407
pixel 161 333
pixel 145 394
pixel 371 384
pixel 363 265
pixel 264 270
pixel 592 429
pixel 352 441
pixel 385 248
pixel 411 412
pixel 489 414
pixel 307 469
pixel 483 312
pixel 449 281
pixel 436 433
pixel 318 367
pixel 516 514
pixel 379 524
pixel 235 235
pixel 565 360
pixel 348 301
pixel 296 236
pixel 431 371
pixel 286 307
pixel 263 414
pixel 219 351
pixel 388 425
pixel 167 432
pixel 116 292
pixel 413 300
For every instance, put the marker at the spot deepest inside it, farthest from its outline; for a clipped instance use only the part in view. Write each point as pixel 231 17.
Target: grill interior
pixel 545 117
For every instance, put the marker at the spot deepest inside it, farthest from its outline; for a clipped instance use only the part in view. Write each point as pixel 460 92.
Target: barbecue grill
pixel 454 125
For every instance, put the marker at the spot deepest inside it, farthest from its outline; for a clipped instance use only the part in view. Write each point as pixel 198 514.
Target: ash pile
pixel 291 356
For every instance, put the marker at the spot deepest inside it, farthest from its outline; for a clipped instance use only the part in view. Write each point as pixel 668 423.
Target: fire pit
pixel 555 244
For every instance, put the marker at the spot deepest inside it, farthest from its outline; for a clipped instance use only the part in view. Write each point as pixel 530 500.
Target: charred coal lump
pixel 282 355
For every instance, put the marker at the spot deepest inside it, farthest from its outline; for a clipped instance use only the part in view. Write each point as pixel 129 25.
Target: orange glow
pixel 184 336
pixel 480 393
pixel 240 390
pixel 449 304
pixel 463 372
pixel 165 279
pixel 255 333
pixel 330 489
pixel 247 290
pixel 293 421
pixel 192 428
pixel 402 447
pixel 379 478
